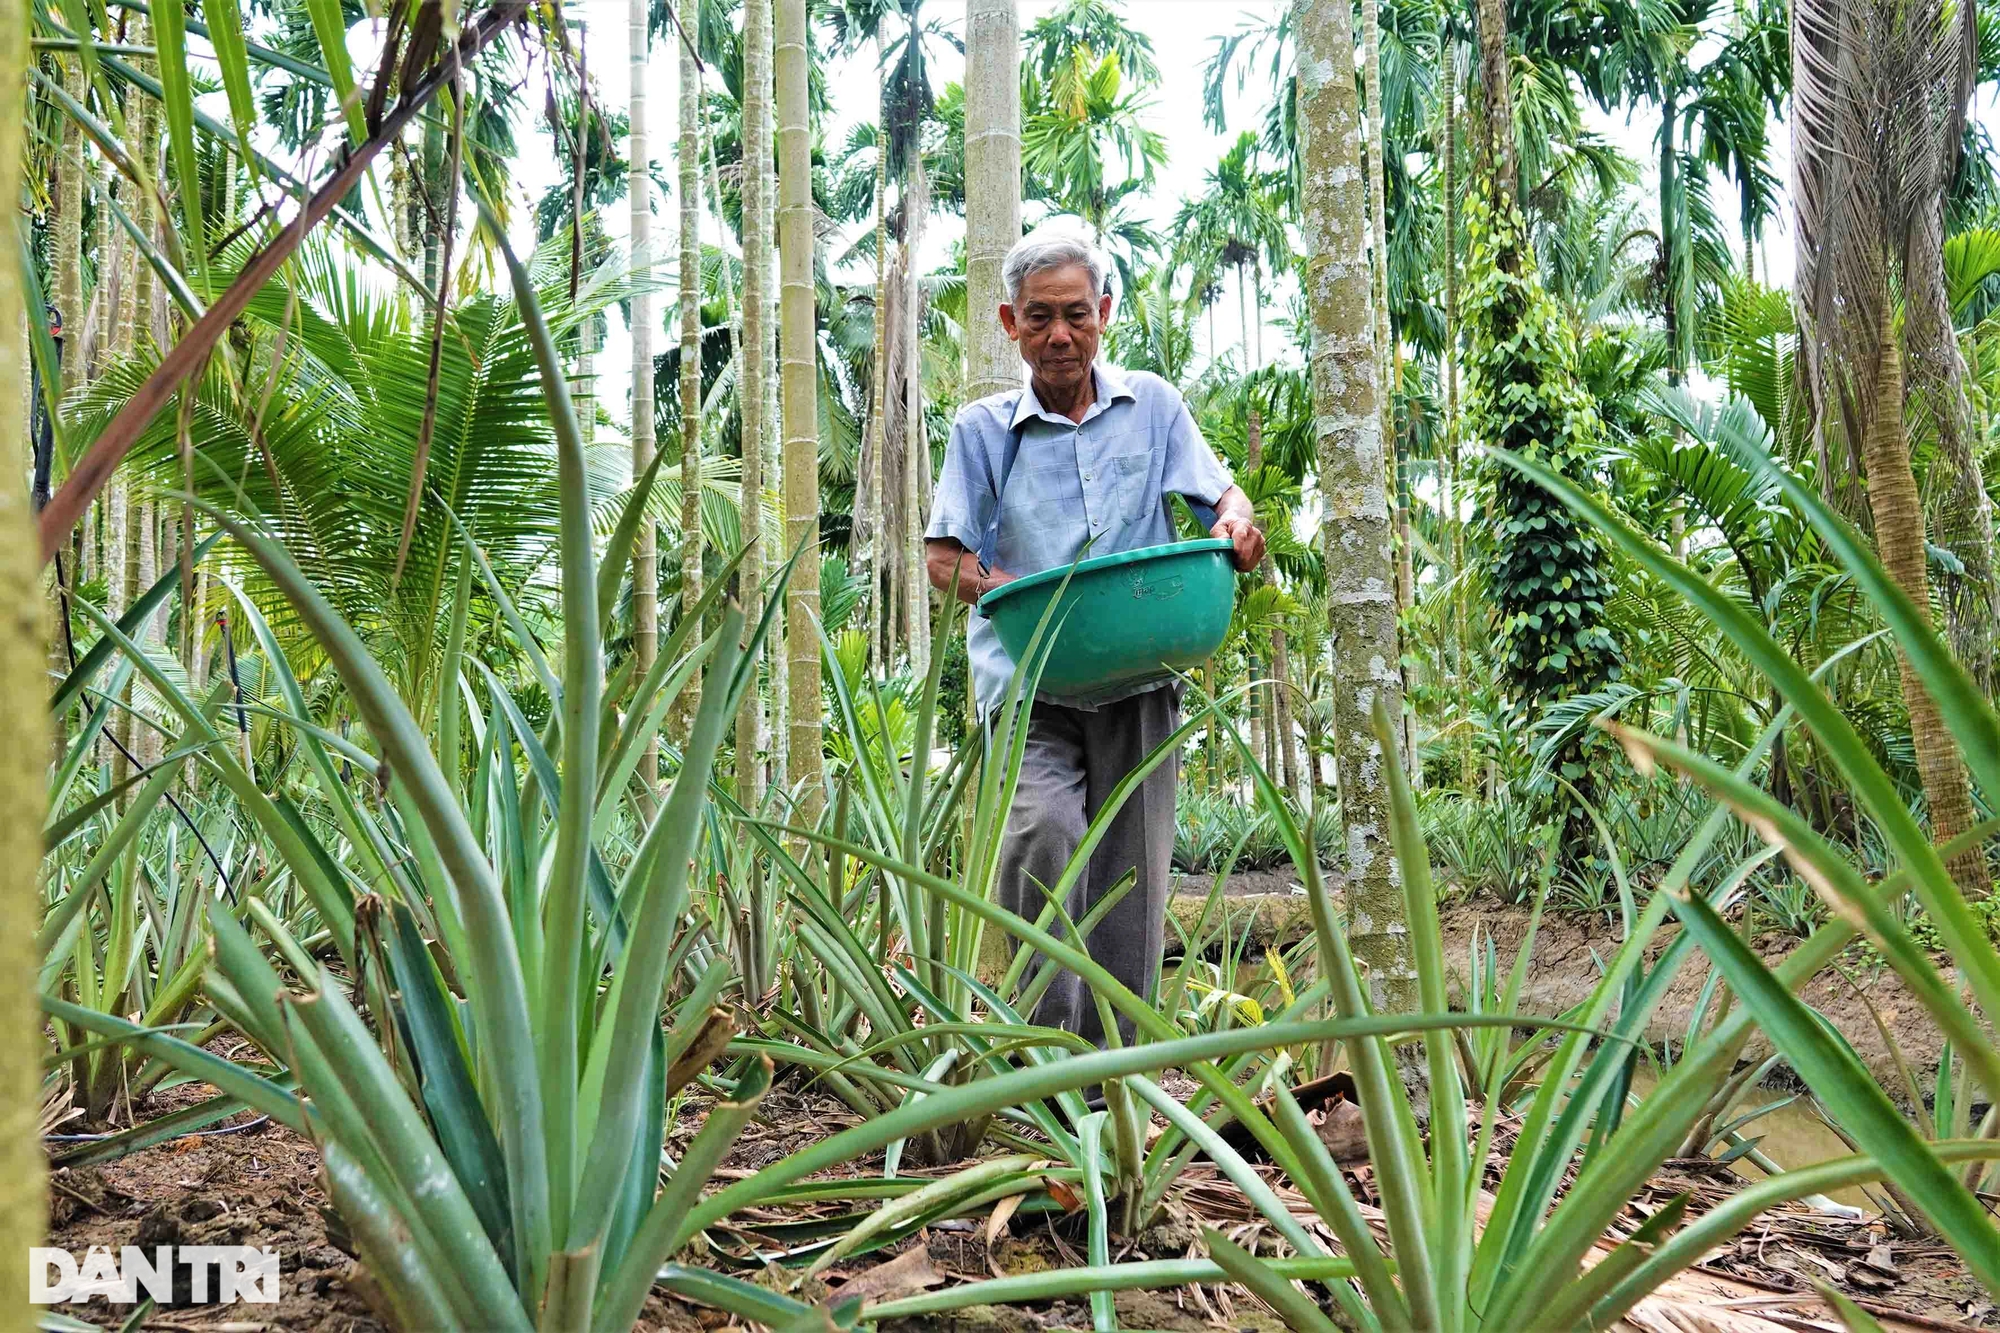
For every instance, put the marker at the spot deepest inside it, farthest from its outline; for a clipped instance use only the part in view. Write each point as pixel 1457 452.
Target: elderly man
pixel 1085 453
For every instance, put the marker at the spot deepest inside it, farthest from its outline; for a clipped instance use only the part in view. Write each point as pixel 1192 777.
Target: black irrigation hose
pixel 191 1134
pixel 69 645
pixel 235 681
pixel 43 459
pixel 228 887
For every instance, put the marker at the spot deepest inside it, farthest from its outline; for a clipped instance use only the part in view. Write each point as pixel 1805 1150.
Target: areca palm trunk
pixel 67 259
pixel 755 365
pixel 120 507
pixel 1348 425
pixel 145 741
pixel 71 169
pixel 1287 766
pixel 779 716
pixel 992 189
pixel 1257 304
pixel 690 380
pixel 1388 359
pixel 1448 80
pixel 798 351
pixel 1243 316
pixel 916 440
pixel 135 319
pixel 23 689
pixel 868 534
pixel 113 531
pixel 1258 703
pixel 1378 245
pixel 583 387
pixel 1259 699
pixel 639 192
pixel 1496 123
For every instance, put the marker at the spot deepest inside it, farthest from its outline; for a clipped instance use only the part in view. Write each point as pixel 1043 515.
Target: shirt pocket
pixel 1134 495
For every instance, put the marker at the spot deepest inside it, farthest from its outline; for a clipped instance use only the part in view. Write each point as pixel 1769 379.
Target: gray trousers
pixel 1072 761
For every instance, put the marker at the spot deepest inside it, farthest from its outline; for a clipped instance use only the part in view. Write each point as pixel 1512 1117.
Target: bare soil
pixel 255 1184
pixel 1571 950
pixel 258 1184
pixel 251 1182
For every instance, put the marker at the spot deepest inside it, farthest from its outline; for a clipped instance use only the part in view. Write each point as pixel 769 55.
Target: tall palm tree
pixel 23 686
pixel 71 170
pixel 1098 25
pixel 773 442
pixel 1086 149
pixel 1235 224
pixel 1360 566
pixel 992 188
pixel 1378 249
pixel 870 509
pixel 1546 575
pixel 1287 765
pixel 916 440
pixel 892 492
pixel 799 353
pixel 1497 148
pixel 1448 369
pixel 646 547
pixel 756 367
pixel 1880 92
pixel 690 376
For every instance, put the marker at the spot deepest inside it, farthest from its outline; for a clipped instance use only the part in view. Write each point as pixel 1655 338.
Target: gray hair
pixel 1046 248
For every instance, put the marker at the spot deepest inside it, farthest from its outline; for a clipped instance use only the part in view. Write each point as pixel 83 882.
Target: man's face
pixel 1057 322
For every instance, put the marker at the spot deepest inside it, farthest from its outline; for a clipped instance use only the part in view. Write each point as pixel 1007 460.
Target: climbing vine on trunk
pixel 1548 578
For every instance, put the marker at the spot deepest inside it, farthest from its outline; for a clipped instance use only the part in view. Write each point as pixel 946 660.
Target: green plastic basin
pixel 1125 618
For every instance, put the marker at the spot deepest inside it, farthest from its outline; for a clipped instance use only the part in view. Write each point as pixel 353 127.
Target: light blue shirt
pixel 1025 488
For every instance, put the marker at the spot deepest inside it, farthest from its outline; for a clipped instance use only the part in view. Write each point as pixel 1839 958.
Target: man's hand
pixel 1237 524
pixel 950 566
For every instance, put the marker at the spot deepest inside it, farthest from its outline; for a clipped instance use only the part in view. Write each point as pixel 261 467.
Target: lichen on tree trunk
pixel 1354 495
pixel 870 512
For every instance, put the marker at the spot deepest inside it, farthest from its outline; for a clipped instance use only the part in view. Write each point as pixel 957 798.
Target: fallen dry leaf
pixel 907 1273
